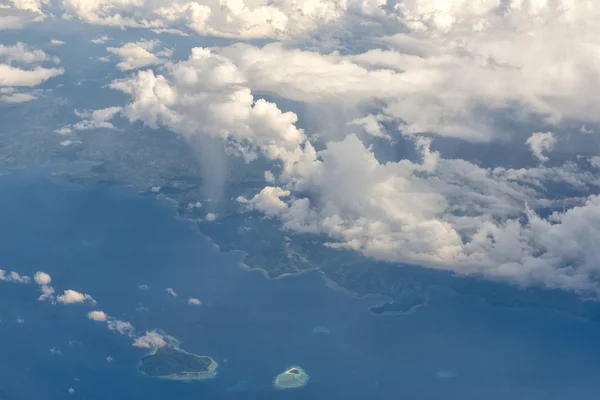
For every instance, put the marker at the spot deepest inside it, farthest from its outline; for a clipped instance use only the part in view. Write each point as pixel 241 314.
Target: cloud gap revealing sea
pixel 107 241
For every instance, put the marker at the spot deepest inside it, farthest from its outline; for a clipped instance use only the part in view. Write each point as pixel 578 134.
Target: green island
pixel 292 378
pixel 170 362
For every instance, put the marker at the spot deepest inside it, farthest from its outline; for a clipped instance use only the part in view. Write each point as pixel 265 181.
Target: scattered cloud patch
pixel 541 143
pixel 91 119
pixel 122 327
pixel 21 67
pixel 138 54
pixel 211 217
pixel 99 316
pixel 100 39
pixel 171 292
pixel 71 297
pixel 13 277
pixel 64 131
pixel 244 20
pixel 194 301
pixel 151 340
pixel 42 278
pixel 69 143
pixel 55 352
pixel 192 206
pixel 16 98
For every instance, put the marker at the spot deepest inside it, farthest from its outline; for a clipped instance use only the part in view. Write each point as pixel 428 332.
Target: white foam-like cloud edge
pixel 413 212
pixel 171 292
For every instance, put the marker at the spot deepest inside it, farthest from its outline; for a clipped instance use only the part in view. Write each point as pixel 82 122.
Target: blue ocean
pixel 107 241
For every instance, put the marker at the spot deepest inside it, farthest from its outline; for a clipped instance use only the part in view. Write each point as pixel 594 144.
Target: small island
pixel 293 378
pixel 170 362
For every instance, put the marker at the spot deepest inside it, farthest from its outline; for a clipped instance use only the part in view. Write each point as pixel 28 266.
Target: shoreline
pixel 185 376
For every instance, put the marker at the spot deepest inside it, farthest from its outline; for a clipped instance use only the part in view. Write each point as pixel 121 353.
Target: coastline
pixel 185 376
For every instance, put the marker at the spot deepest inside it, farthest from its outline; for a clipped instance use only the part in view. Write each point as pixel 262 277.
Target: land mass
pixel 172 363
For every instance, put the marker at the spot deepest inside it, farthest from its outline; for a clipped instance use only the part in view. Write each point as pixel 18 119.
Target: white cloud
pixel 192 206
pixel 123 327
pixel 171 292
pixel 47 293
pixel 13 277
pixel 242 19
pixel 268 201
pixel 210 217
pixel 15 14
pixel 22 54
pixel 151 340
pixel 68 143
pixel 100 39
pixel 12 76
pixel 56 42
pixel 17 98
pixel 269 177
pixel 97 316
pixel 71 296
pixel 71 390
pixel 92 119
pixel 194 301
pixel 42 278
pixel 64 131
pixel 541 143
pixel 137 55
pixel 457 66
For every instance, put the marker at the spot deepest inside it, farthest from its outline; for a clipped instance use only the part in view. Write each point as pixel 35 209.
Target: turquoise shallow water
pixel 107 241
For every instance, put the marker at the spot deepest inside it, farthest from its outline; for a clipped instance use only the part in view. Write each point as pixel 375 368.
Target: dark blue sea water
pixel 106 241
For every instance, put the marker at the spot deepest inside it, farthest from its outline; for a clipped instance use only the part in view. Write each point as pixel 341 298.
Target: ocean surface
pixel 107 241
